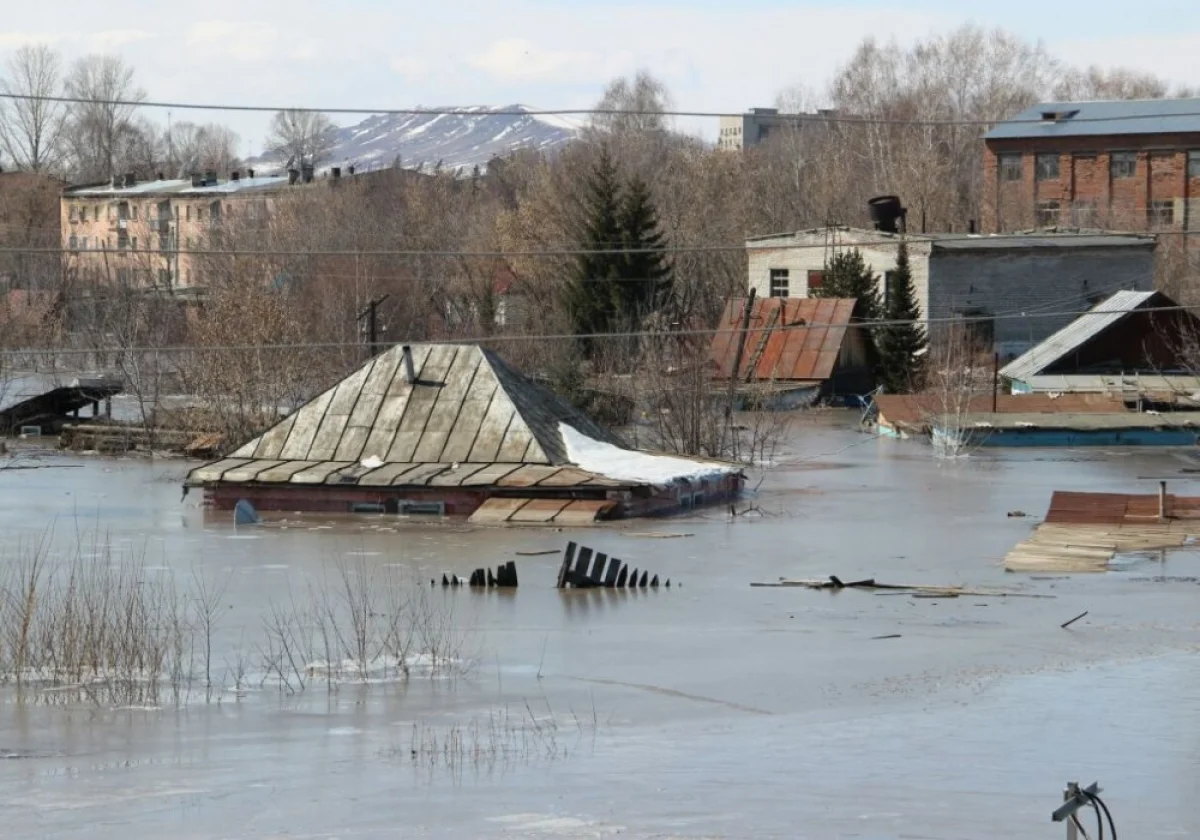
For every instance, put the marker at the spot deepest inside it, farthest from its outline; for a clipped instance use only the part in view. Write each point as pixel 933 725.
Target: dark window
pixel 816 279
pixel 73 243
pixel 779 282
pixel 889 286
pixel 164 277
pixel 1010 166
pixel 96 213
pixel 1123 164
pixel 1047 213
pixel 1047 167
pixel 1194 164
pixel 133 243
pixel 1161 214
pixel 133 210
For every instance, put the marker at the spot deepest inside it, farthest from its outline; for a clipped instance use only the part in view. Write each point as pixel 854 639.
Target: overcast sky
pixel 713 55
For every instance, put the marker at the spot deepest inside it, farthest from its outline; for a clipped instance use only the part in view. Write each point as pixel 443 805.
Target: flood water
pixel 713 709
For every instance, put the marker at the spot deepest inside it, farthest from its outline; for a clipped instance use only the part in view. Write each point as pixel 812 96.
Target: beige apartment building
pixel 756 125
pixel 143 233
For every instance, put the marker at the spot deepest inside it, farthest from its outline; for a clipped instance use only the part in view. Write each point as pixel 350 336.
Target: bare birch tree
pixel 300 136
pixel 101 124
pixel 31 126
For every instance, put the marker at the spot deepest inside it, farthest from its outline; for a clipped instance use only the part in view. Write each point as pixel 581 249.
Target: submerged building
pixel 443 429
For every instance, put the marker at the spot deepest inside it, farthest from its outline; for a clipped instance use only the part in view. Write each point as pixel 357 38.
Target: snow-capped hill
pixel 465 138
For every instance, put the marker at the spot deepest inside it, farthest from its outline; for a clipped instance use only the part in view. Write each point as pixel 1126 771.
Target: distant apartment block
pixel 1129 165
pixel 148 233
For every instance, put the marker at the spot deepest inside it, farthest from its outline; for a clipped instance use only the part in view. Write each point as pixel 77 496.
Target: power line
pixel 573 252
pixel 489 339
pixel 569 112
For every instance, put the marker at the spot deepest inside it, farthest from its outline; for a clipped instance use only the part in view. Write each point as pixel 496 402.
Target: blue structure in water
pixel 245 514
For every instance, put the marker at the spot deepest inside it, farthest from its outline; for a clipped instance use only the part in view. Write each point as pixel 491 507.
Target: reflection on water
pixel 710 709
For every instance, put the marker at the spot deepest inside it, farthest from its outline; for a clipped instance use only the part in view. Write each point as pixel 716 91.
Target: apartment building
pixel 143 233
pixel 1129 165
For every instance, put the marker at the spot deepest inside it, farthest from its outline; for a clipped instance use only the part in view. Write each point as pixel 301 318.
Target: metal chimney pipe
pixel 409 372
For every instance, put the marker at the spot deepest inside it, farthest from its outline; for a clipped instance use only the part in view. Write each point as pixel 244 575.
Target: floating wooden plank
pixel 496 511
pixel 835 584
pixel 582 512
pixel 539 511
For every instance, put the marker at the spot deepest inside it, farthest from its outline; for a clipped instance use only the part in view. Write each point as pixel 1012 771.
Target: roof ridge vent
pixel 1059 115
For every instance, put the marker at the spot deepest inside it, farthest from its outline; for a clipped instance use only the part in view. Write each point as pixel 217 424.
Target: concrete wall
pixel 1031 281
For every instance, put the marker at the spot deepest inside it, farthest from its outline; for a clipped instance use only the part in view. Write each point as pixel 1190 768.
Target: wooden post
pixel 1162 501
pixel 995 381
pixel 1069 793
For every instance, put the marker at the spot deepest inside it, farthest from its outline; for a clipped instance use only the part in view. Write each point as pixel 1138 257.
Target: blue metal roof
pixel 1084 119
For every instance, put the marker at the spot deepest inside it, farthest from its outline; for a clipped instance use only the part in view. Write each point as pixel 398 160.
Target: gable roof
pixel 1090 119
pixel 466 406
pixel 1083 329
pixel 790 339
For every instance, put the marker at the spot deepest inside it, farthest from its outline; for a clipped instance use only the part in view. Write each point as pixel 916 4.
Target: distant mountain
pixel 471 136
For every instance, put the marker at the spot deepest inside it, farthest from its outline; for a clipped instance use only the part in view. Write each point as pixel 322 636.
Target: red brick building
pixel 1128 165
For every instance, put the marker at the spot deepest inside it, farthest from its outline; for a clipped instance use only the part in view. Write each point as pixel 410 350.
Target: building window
pixel 133 211
pixel 73 243
pixel 816 279
pixel 1010 166
pixel 133 243
pixel 96 213
pixel 164 277
pixel 1123 164
pixel 83 243
pixel 1194 164
pixel 71 213
pixel 890 287
pixel 1161 214
pixel 1047 214
pixel 779 282
pixel 1047 167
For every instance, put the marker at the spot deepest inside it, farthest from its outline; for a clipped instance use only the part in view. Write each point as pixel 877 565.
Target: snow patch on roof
pixel 629 465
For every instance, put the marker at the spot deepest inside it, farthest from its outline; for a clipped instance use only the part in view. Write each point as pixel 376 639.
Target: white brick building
pixel 980 277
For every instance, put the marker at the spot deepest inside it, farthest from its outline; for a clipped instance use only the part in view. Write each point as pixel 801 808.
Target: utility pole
pixel 371 314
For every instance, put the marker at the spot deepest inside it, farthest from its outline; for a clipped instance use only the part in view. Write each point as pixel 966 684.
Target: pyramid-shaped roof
pixel 467 406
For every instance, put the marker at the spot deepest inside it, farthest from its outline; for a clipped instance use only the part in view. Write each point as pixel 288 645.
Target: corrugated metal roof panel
pixel 1075 334
pixel 1091 119
pixel 1069 508
pixel 789 339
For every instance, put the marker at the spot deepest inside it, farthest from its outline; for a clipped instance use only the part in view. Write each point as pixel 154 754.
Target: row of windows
pixel 1083 213
pixel 731 130
pixel 1046 165
pixel 124 210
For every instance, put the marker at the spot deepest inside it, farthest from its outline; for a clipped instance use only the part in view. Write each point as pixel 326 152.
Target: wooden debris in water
pixel 536 553
pixel 833 583
pixel 583 568
pixel 650 535
pixel 504 578
pixel 1072 548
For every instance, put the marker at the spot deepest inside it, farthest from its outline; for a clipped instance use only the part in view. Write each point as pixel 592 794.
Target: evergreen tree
pixel 593 294
pixel 899 343
pixel 646 275
pixel 623 274
pixel 847 275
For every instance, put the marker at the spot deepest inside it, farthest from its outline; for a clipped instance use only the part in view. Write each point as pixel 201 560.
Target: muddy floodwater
pixel 712 709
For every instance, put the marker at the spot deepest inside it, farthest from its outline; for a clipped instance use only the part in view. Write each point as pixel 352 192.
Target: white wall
pixel 806 251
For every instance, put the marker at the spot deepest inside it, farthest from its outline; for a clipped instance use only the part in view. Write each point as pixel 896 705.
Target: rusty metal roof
pixel 789 339
pixel 914 411
pixel 1069 508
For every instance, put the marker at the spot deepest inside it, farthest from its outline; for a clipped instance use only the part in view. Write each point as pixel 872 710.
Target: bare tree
pixel 643 98
pixel 102 122
pixel 1076 85
pixel 31 126
pixel 301 136
pixel 188 147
